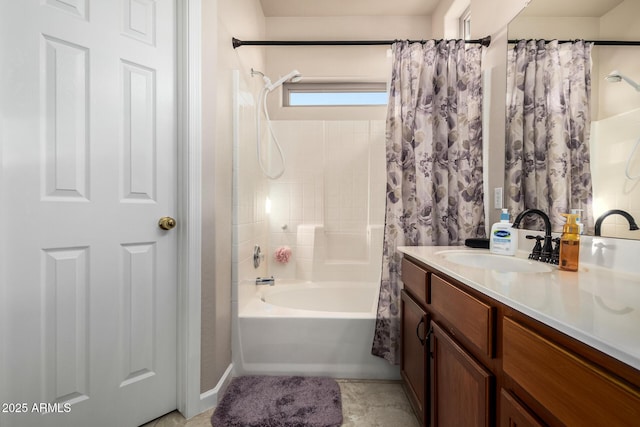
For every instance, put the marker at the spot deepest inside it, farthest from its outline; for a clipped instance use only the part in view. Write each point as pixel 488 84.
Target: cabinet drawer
pixel 576 391
pixel 415 280
pixel 464 314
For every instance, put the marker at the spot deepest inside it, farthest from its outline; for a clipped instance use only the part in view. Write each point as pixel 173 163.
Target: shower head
pixel 616 76
pixel 613 77
pixel 294 76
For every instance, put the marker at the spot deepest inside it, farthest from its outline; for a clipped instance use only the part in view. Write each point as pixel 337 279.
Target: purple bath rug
pixel 276 401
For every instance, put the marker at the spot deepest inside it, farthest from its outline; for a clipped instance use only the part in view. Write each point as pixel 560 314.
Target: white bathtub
pixel 306 328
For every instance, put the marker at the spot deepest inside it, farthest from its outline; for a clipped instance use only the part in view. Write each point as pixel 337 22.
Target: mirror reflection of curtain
pixel 434 163
pixel 548 125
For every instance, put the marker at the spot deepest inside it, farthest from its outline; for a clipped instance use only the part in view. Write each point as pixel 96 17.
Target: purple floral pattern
pixel 434 164
pixel 547 163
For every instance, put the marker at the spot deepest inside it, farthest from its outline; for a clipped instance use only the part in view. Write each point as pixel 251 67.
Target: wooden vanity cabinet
pixel 484 363
pixel 446 384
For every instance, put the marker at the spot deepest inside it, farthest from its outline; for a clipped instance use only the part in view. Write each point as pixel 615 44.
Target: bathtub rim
pixel 257 308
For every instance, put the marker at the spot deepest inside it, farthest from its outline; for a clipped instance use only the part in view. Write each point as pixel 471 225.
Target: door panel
pixel 88 151
pixel 65 326
pixel 65 75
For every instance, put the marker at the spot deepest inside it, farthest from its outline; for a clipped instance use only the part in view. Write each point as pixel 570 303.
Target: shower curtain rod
pixel 595 42
pixel 486 41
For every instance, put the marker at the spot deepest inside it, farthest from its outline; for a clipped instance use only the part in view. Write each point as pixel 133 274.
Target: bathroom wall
pixel 221 20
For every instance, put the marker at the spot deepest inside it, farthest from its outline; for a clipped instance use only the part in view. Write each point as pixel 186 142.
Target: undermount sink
pixel 489 261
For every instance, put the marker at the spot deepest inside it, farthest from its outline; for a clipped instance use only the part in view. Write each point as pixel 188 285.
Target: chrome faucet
pixel 629 218
pixel 546 252
pixel 265 281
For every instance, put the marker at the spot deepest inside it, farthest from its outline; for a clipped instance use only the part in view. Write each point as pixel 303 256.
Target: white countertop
pixel 597 306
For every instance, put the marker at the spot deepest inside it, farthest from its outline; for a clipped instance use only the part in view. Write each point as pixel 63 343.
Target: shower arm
pixel 635 85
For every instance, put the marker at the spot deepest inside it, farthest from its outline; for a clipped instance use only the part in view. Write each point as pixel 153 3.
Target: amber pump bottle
pixel 570 244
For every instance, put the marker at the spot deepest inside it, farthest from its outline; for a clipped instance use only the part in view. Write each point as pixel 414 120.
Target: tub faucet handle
pixel 265 281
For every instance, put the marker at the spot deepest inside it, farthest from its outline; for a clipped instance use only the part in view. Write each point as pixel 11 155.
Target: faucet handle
pixel 537 248
pixel 555 255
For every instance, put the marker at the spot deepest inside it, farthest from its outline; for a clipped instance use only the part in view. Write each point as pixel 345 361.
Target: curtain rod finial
pixel 485 41
pixel 236 43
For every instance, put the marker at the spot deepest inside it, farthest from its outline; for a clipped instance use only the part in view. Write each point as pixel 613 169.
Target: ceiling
pixel 570 8
pixel 312 8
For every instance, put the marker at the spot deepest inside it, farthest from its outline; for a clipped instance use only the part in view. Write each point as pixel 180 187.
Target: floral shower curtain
pixel 548 126
pixel 434 163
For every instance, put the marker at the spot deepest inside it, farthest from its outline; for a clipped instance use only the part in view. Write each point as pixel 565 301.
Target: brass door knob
pixel 166 223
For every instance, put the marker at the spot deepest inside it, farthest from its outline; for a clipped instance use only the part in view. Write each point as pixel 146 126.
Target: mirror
pixel 615 107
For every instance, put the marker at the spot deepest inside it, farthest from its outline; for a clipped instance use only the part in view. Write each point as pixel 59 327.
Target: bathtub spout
pixel 265 281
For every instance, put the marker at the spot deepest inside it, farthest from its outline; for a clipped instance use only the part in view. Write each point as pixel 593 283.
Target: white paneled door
pixel 88 282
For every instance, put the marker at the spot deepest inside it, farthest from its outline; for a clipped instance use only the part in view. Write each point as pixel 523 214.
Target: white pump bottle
pixel 504 238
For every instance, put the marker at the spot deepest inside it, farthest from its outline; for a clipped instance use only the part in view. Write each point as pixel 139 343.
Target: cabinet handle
pixel 422 341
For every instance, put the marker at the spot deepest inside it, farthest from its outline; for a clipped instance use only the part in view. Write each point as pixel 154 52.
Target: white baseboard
pixel 210 398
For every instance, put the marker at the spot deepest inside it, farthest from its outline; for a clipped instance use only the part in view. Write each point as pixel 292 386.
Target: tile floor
pixel 364 404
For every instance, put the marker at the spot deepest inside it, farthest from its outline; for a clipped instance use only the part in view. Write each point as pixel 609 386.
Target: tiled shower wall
pixel 613 140
pixel 335 178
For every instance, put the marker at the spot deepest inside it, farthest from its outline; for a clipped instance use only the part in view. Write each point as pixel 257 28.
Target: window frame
pixel 465 24
pixel 332 87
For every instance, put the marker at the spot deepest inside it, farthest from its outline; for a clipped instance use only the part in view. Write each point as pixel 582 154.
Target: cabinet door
pixel 513 414
pixel 413 365
pixel 462 387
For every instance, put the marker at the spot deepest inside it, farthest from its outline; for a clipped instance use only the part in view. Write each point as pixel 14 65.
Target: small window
pixel 465 24
pixel 334 94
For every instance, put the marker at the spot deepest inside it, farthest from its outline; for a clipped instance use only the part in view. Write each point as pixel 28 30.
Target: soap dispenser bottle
pixel 504 238
pixel 570 244
pixel 578 214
